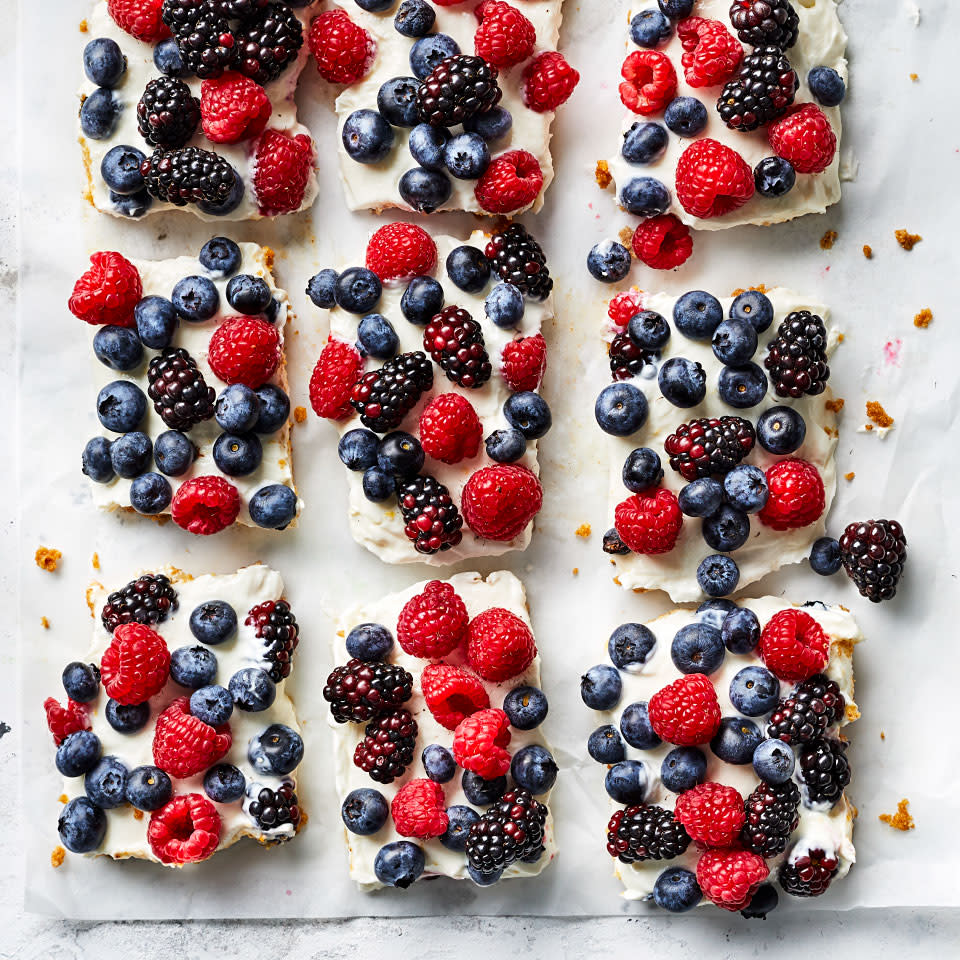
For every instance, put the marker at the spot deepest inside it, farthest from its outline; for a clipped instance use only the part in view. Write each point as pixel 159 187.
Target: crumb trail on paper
pixel 902 819
pixel 906 239
pixel 583 531
pixel 828 240
pixel 878 415
pixel 868 251
pixel 56 857
pixel 923 319
pixel 47 558
pixel 603 176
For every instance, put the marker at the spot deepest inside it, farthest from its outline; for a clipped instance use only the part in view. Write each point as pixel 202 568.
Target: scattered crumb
pixel 95 561
pixel 282 462
pixel 616 580
pixel 626 238
pixel 878 415
pixel 849 476
pixel 901 820
pixel 137 814
pixel 760 288
pixel 268 257
pixel 883 736
pixel 91 590
pixel 828 239
pixel 906 239
pixel 923 318
pixel 832 432
pixel 45 623
pixel 62 798
pixel 84 26
pixel 835 405
pixel 341 633
pixel 851 712
pixel 840 338
pixel 603 175
pixel 583 531
pixel 914 77
pixel 868 427
pixel 56 858
pixel 47 558
pixel 576 571
pixel 868 251
pixel 300 414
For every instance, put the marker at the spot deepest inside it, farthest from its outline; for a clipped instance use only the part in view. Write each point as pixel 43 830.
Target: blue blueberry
pixel 742 387
pixel 79 753
pixel 526 707
pixel 120 169
pixel 378 485
pixel 825 84
pixel 734 342
pixel 367 136
pixel 714 612
pixel 746 488
pixel 415 18
pixel 196 298
pixel 480 792
pixel 727 530
pixel 824 557
pixel 754 691
pixel 735 740
pixel 224 783
pixel 438 763
pixel 697 314
pixel 682 382
pixel 676 890
pixel 236 454
pixel 273 506
pixel 630 646
pixel 104 62
pixel 322 288
pixel 506 446
pixel 148 788
pixel 601 687
pixel 274 408
pixel 533 768
pixel 754 307
pixel 81 681
pixel 237 408
pixel 150 494
pixel 428 52
pixel 621 409
pixel 422 300
pixel 82 825
pixel 106 783
pixel 461 819
pixel 701 498
pixel 504 305
pixel 608 261
pixel 213 622
pixel 529 413
pixel 683 768
pixel 773 761
pixel 127 717
pixel 372 6
pixel 761 903
pixel 376 337
pixel 174 453
pixel 397 101
pixel 220 256
pixel 628 781
pixel 358 290
pixel 399 864
pixel 648 329
pixel 635 727
pixel 740 631
pixel 133 205
pixel 252 690
pixel 212 704
pixel 468 268
pixel 99 114
pixel 248 295
pixel 118 348
pixel 400 454
pixel 605 745
pixel 425 190
pixel 168 59
pixel 676 9
pixel 369 641
pixel 718 575
pixel 365 811
pixel 697 648
pixel 131 454
pixel 193 667
pixel 277 751
pixel 483 879
pixel 642 470
pixel 781 430
pixel 121 406
pixel 649 28
pixel 685 116
pixel 157 320
pixel 644 142
pixel 357 449
pixel 426 144
pixel 774 177
pixel 466 156
pixel 645 197
pixel 234 198
pixel 491 125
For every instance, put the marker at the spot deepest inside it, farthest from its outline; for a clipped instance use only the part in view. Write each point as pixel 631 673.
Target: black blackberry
pixel 814 705
pixel 237 9
pixel 459 87
pixel 874 554
pixel 179 393
pixel 431 518
pixel 455 341
pixel 645 832
pixel 824 770
pixel 510 830
pixel 385 396
pixel 701 448
pixel 359 691
pixel 613 544
pixel 809 875
pixel 627 359
pixel 763 22
pixel 268 42
pixel 168 114
pixel 188 175
pixel 518 259
pixel 772 814
pixel 277 627
pixel 203 36
pixel 149 599
pixel 387 749
pixel 760 93
pixel 275 808
pixel 797 358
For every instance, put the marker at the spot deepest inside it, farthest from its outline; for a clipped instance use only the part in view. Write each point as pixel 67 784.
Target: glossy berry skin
pixel 277 751
pixel 754 691
pixel 274 408
pixel 150 494
pixel 118 348
pixel 193 667
pixel 106 783
pixel 644 142
pixel 683 768
pixel 734 342
pixel 95 461
pixel 745 487
pixel 377 485
pixel 506 446
pixel 213 622
pixel 505 305
pixel 685 116
pixel 468 268
pixel 369 641
pixel 130 454
pixel 735 740
pixel 273 507
pixel 364 811
pixel 221 256
pixel 399 864
pixel 367 136
pixel 642 470
pixel 82 825
pixel 526 707
pixel 148 788
pixel 529 413
pixel 754 307
pixel 609 261
pixel 211 704
pixel 397 101
pixel 682 382
pixel 762 903
pixel 121 406
pixel 237 409
pixel 120 169
pixel 376 337
pixel 742 387
pixel 252 690
pixel 635 727
pixel 774 177
pixel 466 156
pixel 81 681
pixel 773 761
pixel 697 315
pixel 237 455
pixel 127 718
pixel 649 28
pixel 358 290
pixel 631 645
pixel 781 430
pixel 196 299
pixel 718 575
pixel 104 62
pixel 740 631
pixel 534 769
pixel 601 687
pixel 621 409
pixel 825 557
pixel 605 745
pixel 676 9
pixel 400 454
pixel 701 498
pixel 492 125
pixel 480 792
pixel 438 763
pixel 827 86
pixel 322 288
pixel 676 890
pixel 78 754
pixel 697 648
pixel 627 781
pixel 461 818
pixel 99 114
pixel 727 530
pixel 415 18
pixel 224 783
pixel 644 197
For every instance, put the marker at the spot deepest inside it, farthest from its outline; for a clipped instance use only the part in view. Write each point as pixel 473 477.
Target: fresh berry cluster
pixel 171 442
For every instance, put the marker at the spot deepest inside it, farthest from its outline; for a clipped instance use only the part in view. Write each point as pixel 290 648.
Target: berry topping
pixel 645 832
pixel 343 50
pixel 524 362
pixel 450 430
pixel 186 829
pixel 772 814
pixel 548 81
pixel 814 705
pixel 797 358
pixel 62 721
pixel 108 292
pixel 233 108
pixel 282 168
pixel 762 22
pixel 729 878
pixel 418 810
pixel 623 307
pixel 149 599
pixel 388 746
pixel 457 88
pixel 649 522
pixel 205 505
pixel 189 175
pixel 761 92
pixel 432 624
pixel 275 808
pixel 168 114
pixel 136 665
pixel 516 257
pixel 712 179
pixel 709 446
pixel 711 813
pixel 333 379
pixel 808 875
pixel 794 646
pixel 179 393
pixel 184 745
pixel 873 555
pixel 662 242
pixel 505 36
pixel 385 396
pixel 499 645
pixel 452 694
pixel 139 18
pixel 267 42
pixel 805 139
pixel 479 743
pixel 400 251
pixel 711 54
pixel 686 712
pixel 512 181
pixel 797 495
pixel 245 350
pixel 510 830
pixel 359 690
pixel 824 770
pixel 649 81
pixel 432 521
pixel 277 627
pixel 499 501
pixel 202 32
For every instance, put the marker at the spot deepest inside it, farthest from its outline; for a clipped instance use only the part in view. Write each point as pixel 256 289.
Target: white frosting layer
pixel 375 186
pixel 379 526
pixel 820 827
pixel 126 834
pixel 767 549
pixel 141 70
pixel 159 277
pixel 822 42
pixel 500 589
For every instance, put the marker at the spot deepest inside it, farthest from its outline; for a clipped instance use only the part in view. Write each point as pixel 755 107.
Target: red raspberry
pixel 499 501
pixel 184 745
pixel 418 810
pixel 548 81
pixel 499 645
pixel 281 170
pixel 450 429
pixel 136 665
pixel 649 81
pixel 663 242
pixel 233 108
pixel 400 251
pixel 797 497
pixel 505 36
pixel 712 813
pixel 343 50
pixel 245 350
pixel 452 694
pixel 712 54
pixel 805 138
pixel 479 742
pixel 649 523
pixel 62 721
pixel 185 829
pixel 793 646
pixel 139 18
pixel 623 307
pixel 108 291
pixel 333 378
pixel 513 180
pixel 205 505
pixel 524 362
pixel 729 878
pixel 433 623
pixel 712 179
pixel 685 712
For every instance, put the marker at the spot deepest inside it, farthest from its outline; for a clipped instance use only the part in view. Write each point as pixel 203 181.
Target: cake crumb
pixel 576 571
pixel 901 820
pixel 268 257
pixel 883 735
pixel 603 176
pixel 878 415
pixel 906 239
pixel 84 26
pixel 616 580
pixel 626 238
pixel 849 476
pixel 300 414
pixel 835 405
pixel 56 858
pixel 868 251
pixel 760 288
pixel 95 561
pixel 840 338
pixel 47 558
pixel 828 240
pixel 832 432
pixel 137 814
pixel 923 318
pixel 583 531
pixel 63 798
pixel 914 77
pixel 45 623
